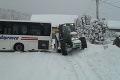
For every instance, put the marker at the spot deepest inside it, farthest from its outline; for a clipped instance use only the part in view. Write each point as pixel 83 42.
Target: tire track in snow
pixel 87 68
pixel 79 68
pixel 71 68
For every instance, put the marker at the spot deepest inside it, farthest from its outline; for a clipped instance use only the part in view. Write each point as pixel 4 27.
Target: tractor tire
pixel 63 48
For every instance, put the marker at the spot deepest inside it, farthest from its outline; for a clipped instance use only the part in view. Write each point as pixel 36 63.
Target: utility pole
pixel 97 9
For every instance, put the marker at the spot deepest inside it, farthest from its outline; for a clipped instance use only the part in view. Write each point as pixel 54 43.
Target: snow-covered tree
pixel 99 29
pixel 83 24
pixel 91 29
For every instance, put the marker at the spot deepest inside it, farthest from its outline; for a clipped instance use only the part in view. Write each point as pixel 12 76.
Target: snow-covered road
pixel 93 63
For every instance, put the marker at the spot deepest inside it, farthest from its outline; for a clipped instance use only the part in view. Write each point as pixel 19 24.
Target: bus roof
pixel 23 21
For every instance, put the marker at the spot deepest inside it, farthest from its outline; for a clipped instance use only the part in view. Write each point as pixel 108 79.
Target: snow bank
pixel 93 63
pixel 106 62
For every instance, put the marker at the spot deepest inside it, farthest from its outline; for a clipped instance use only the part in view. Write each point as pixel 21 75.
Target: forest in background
pixel 9 14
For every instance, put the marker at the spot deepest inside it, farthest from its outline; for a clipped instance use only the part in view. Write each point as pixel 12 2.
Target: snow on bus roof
pixel 23 21
pixel 55 19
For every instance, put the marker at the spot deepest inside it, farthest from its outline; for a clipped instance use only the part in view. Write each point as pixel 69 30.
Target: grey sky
pixel 76 7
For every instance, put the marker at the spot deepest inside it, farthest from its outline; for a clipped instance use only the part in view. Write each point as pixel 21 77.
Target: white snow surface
pixel 93 63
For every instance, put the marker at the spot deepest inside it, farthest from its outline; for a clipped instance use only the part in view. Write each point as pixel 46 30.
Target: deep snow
pixel 93 63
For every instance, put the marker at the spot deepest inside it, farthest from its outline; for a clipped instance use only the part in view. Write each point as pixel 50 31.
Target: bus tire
pixel 19 47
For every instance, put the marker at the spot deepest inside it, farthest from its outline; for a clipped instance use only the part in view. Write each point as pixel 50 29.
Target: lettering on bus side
pixel 8 37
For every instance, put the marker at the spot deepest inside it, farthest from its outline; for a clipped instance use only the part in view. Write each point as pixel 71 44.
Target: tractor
pixel 66 38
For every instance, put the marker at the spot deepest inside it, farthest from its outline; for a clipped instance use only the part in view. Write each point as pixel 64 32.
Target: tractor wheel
pixel 63 48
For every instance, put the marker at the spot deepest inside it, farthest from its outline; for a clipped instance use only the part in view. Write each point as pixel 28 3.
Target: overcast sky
pixel 76 7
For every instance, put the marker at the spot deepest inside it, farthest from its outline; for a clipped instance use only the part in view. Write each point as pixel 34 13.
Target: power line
pixel 113 17
pixel 107 7
pixel 110 4
pixel 89 6
pixel 101 1
pixel 109 13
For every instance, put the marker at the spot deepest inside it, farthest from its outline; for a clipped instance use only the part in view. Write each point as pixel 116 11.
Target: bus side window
pixel 24 29
pixel 15 29
pixel 1 29
pixel 7 28
pixel 14 32
pixel 46 30
pixel 35 29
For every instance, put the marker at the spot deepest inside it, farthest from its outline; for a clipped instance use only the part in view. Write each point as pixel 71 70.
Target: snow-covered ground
pixel 93 63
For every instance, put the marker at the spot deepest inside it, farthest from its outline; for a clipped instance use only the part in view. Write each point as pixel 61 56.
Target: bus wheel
pixel 19 47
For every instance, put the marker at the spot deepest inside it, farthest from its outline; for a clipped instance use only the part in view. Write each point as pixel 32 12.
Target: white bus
pixel 25 35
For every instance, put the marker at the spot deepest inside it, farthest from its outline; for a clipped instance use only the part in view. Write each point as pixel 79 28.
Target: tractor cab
pixel 67 38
